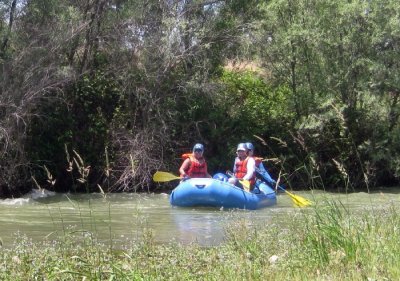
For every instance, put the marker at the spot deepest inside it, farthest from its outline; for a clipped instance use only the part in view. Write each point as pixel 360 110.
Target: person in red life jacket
pixel 260 169
pixel 194 164
pixel 244 167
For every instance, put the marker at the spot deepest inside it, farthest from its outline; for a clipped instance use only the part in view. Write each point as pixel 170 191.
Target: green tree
pixel 330 53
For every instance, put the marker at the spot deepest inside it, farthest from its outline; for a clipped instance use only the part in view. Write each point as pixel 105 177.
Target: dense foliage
pixel 99 94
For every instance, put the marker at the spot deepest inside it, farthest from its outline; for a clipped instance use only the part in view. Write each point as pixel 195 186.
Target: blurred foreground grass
pixel 326 242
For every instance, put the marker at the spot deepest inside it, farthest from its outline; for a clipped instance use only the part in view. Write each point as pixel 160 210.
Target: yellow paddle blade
pixel 164 177
pixel 246 185
pixel 298 200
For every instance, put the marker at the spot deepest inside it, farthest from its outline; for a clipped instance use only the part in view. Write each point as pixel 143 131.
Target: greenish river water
pixel 124 217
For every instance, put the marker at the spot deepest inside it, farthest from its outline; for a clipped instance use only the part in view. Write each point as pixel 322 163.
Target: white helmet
pixel 241 146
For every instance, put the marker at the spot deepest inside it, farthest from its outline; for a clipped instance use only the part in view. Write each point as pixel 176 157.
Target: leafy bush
pixel 80 123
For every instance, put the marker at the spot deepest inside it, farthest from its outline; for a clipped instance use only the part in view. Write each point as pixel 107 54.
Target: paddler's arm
pixel 184 167
pixel 251 168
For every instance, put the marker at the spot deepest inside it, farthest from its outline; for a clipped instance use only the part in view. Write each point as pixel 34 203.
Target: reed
pixel 325 242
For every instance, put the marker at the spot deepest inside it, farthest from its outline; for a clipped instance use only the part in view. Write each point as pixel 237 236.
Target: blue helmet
pixel 249 146
pixel 198 146
pixel 221 177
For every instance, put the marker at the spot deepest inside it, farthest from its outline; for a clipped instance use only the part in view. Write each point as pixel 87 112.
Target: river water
pixel 124 217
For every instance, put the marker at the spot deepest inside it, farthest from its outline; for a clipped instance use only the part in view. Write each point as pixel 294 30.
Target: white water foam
pixel 39 193
pixel 17 201
pixel 27 198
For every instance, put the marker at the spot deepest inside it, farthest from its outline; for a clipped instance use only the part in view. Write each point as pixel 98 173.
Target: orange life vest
pixel 241 170
pixel 198 167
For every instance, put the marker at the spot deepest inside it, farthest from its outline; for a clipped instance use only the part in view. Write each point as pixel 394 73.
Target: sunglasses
pixel 198 150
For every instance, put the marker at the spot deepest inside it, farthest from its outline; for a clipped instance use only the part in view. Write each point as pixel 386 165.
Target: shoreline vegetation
pixel 102 94
pixel 324 242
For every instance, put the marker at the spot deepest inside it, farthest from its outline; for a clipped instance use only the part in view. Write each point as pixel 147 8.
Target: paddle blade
pixel 298 200
pixel 164 177
pixel 246 185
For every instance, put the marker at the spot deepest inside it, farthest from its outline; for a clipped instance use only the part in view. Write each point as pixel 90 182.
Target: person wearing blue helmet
pixel 249 146
pixel 260 169
pixel 220 177
pixel 194 164
pixel 243 167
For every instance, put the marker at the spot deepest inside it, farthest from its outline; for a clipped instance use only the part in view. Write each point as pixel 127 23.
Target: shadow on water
pixel 125 217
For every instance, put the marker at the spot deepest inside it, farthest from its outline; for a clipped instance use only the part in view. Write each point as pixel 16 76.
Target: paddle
pixel 297 200
pixel 245 183
pixel 164 177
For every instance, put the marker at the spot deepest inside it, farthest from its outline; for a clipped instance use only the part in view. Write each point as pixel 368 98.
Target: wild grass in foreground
pixel 321 243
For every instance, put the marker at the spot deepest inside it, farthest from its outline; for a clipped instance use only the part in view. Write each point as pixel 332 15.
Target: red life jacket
pixel 241 170
pixel 198 167
pixel 186 156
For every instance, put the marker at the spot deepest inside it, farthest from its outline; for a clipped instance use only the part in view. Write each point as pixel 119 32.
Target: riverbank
pixel 326 242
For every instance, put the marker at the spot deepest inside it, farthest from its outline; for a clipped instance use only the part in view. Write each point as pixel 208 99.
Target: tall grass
pixel 339 244
pixel 326 242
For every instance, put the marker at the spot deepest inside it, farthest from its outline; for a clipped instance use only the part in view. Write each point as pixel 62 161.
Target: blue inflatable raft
pixel 216 193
